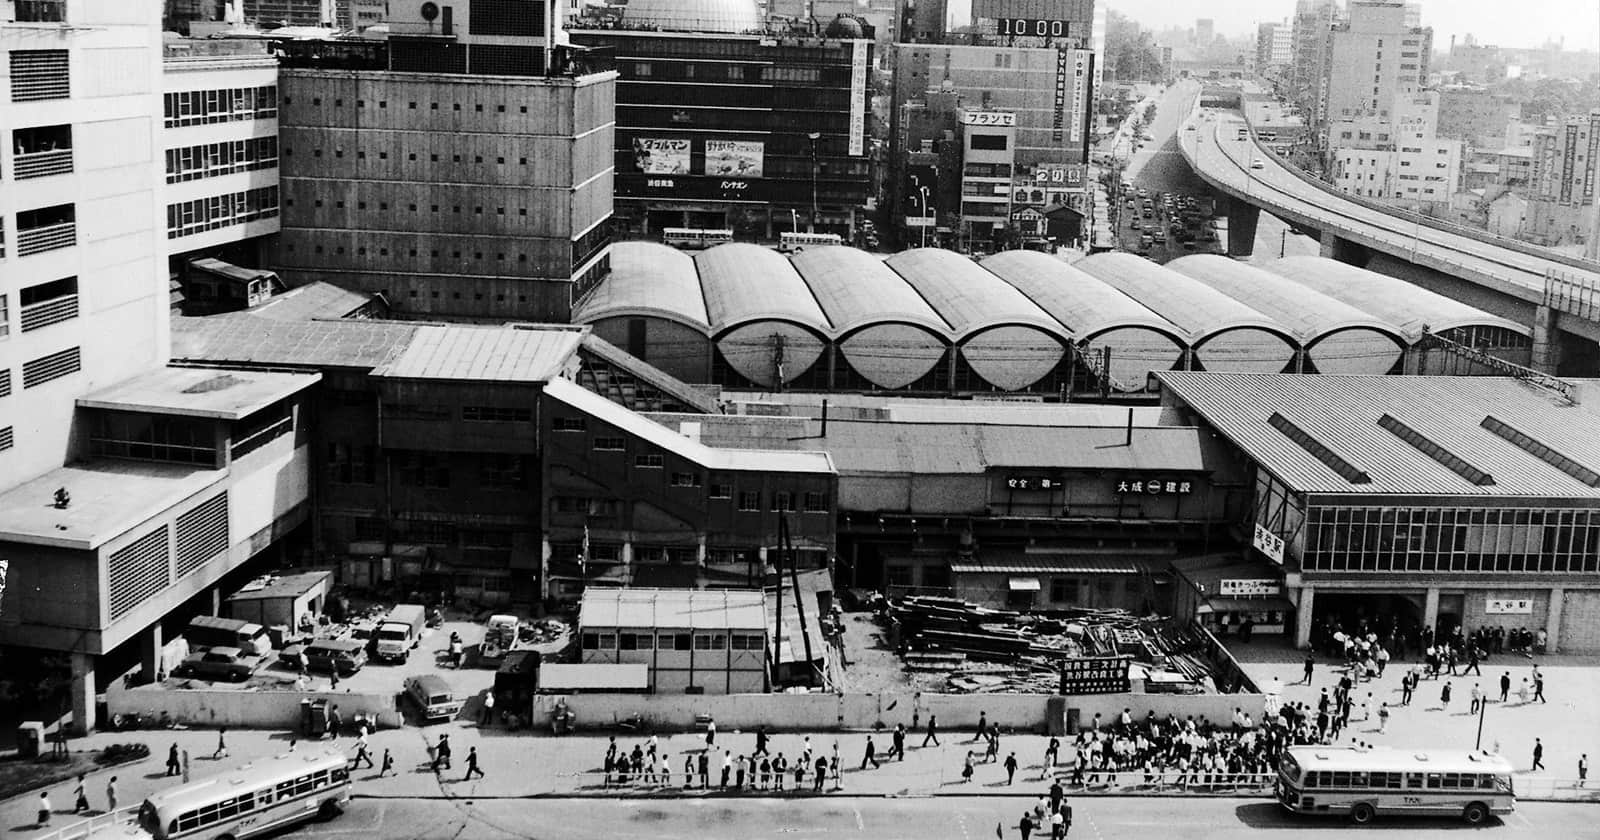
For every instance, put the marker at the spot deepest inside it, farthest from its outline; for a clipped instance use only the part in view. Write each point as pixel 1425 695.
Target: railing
pixel 53 311
pixel 41 11
pixel 40 164
pixel 89 827
pixel 1529 786
pixel 46 238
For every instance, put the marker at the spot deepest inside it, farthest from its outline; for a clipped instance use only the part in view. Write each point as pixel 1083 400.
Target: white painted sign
pixel 1508 606
pixel 1268 543
pixel 858 98
pixel 1244 587
pixel 1002 119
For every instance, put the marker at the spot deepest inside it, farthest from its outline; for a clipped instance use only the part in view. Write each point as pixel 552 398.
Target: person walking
pixel 111 796
pixel 1477 699
pixel 1444 697
pixel 704 765
pixel 441 752
pixel 822 774
pixel 486 713
pixel 1472 661
pixel 222 744
pixel 1408 684
pixel 897 747
pixel 387 765
pixel 1058 826
pixel 966 768
pixel 870 755
pixel 174 767
pixel 1025 825
pixel 1538 755
pixel 711 732
pixel 1011 767
pixel 1383 718
pixel 1505 686
pixel 992 752
pixel 983 727
pixel 1051 754
pixel 472 765
pixel 933 731
pixel 362 754
pixel 1583 769
pixel 727 768
pixel 1538 685
pixel 1310 665
pixel 44 809
pixel 688 771
pixel 80 796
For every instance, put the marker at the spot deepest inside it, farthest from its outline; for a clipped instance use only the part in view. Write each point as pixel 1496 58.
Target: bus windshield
pixel 1290 768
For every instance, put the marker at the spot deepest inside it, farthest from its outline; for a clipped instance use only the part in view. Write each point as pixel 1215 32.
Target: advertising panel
pixel 661 155
pixel 1059 117
pixel 735 158
pixel 1080 94
pixel 1247 587
pixel 1002 119
pixel 858 98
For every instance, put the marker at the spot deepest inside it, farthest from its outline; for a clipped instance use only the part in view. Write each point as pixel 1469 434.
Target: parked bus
pixel 256 798
pixel 790 242
pixel 1363 783
pixel 693 238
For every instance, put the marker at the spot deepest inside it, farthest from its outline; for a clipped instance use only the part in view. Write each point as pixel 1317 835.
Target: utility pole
pixel 814 137
pixel 777 361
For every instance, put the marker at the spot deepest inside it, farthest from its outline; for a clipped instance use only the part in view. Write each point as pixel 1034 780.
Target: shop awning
pixel 1275 603
pixel 1018 584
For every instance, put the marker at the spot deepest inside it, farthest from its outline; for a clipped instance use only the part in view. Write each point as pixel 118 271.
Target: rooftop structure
pixel 671 609
pixel 199 392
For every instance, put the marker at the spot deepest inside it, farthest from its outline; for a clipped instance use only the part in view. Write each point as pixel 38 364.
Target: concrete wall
pixel 246 708
pixel 825 712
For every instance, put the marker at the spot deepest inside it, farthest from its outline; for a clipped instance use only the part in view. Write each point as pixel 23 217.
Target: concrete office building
pixel 1205 32
pixel 1372 59
pixel 462 169
pixel 723 123
pixel 1274 48
pixel 1314 20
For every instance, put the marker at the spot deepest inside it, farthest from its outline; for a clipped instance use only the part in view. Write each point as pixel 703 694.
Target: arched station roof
pixel 1404 306
pixel 743 283
pixel 970 298
pixel 1083 303
pixel 651 279
pixel 856 289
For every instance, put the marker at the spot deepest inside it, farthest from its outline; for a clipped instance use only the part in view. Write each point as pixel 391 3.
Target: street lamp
pixel 813 137
pixel 924 191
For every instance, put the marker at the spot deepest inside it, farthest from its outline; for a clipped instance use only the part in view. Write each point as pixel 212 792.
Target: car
pixel 1147 138
pixel 219 663
pixel 1149 214
pixel 1135 223
pixel 1256 163
pixel 1159 235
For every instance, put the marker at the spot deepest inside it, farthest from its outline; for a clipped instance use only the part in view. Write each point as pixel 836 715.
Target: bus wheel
pixel 1362 813
pixel 1475 813
pixel 329 810
pixel 226 837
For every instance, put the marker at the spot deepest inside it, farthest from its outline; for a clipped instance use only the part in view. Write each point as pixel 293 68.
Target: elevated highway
pixel 1550 292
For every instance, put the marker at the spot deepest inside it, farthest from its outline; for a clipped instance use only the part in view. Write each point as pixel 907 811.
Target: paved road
pixel 888 819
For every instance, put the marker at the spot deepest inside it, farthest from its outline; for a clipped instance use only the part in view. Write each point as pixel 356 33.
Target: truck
pixel 499 637
pixel 400 631
pixel 209 631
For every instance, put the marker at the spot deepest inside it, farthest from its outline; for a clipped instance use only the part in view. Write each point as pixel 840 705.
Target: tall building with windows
pixel 1313 22
pixel 1274 48
pixel 1374 58
pixel 462 169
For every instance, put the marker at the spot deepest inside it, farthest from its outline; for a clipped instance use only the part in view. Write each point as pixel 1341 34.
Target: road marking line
pixel 860 826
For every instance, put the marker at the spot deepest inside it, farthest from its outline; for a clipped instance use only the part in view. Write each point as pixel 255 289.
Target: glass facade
pixel 1435 539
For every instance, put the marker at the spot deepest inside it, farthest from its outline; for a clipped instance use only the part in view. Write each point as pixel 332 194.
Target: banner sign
pixel 1508 606
pixel 1058 122
pixel 858 98
pixel 735 158
pixel 1268 543
pixel 661 156
pixel 1248 586
pixel 1003 119
pixel 1080 93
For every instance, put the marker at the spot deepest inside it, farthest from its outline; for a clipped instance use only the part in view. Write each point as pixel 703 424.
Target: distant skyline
pixel 1528 24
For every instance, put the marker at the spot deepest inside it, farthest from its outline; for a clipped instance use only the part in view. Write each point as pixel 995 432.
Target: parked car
pixel 345 655
pixel 434 698
pixel 218 663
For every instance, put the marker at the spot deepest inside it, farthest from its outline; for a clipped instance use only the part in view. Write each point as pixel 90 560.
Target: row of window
pixel 201 107
pixel 1400 781
pixel 210 160
pixel 674 641
pixel 232 807
pixel 338 154
pixel 218 211
pixel 362 251
pixel 469 413
pixel 316 101
pixel 748 501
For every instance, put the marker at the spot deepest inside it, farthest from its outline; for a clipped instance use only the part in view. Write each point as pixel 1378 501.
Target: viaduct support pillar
pixel 150 644
pixel 1552 621
pixel 83 706
pixel 1546 340
pixel 1242 219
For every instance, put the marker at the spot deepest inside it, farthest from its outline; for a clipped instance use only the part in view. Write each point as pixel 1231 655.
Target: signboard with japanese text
pixel 1080 94
pixel 1268 543
pixel 1508 606
pixel 1035 482
pixel 1154 485
pixel 1059 118
pixel 1059 174
pixel 1246 587
pixel 735 158
pixel 1095 675
pixel 1003 119
pixel 661 155
pixel 858 98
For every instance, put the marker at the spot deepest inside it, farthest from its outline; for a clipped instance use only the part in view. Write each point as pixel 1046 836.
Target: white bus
pixel 693 238
pixel 1363 783
pixel 258 797
pixel 790 242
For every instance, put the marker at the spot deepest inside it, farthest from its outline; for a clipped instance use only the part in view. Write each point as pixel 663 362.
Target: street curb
pixel 832 795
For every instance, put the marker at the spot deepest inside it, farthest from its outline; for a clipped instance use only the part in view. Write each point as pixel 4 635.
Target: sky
pixel 1528 23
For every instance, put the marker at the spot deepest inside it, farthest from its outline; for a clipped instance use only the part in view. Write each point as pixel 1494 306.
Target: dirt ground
pixel 872 665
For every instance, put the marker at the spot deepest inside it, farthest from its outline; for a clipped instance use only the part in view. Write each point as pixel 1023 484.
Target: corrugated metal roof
pixel 1342 413
pixel 1083 303
pixel 855 288
pixel 1307 313
pixel 483 355
pixel 1405 306
pixel 1197 309
pixel 608 412
pixel 245 339
pixel 312 301
pixel 743 283
pixel 1059 564
pixel 667 609
pixel 647 278
pixel 969 297
pixel 965 449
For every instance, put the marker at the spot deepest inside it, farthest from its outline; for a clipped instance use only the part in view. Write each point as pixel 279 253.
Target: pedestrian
pixel 1444 697
pixel 1408 684
pixel 870 755
pixel 80 794
pixel 1472 660
pixel 44 808
pixel 1522 692
pixel 711 732
pixel 387 765
pixel 1025 825
pixel 727 769
pixel 897 747
pixel 335 722
pixel 1583 769
pixel 486 714
pixel 933 731
pixel 111 796
pixel 1538 685
pixel 333 678
pixel 174 767
pixel 222 744
pixel 1311 662
pixel 361 753
pixel 1066 819
pixel 1011 767
pixel 441 752
pixel 472 764
pixel 966 768
pixel 1538 755
pixel 822 774
pixel 704 765
pixel 293 742
pixel 992 753
pixel 1383 718
pixel 1505 686
pixel 1051 754
pixel 1477 698
pixel 1058 826
pixel 738 773
pixel 983 726
pixel 780 768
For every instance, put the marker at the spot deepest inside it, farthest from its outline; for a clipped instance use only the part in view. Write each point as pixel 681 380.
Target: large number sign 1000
pixel 1034 27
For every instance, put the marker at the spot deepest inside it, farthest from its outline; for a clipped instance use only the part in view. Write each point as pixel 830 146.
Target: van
pixel 400 631
pixel 346 656
pixel 434 697
pixel 209 631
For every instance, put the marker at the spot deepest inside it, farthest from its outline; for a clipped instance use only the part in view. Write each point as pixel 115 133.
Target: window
pixel 422 469
pixel 710 641
pixel 721 491
pixel 507 472
pixel 815 502
pixel 609 444
pixel 685 479
pixel 1064 590
pixel 749 500
pixel 783 501
pixel 747 641
pixel 39 74
pixel 989 142
pixel 49 368
pixel 569 424
pixel 416 411
pixel 352 464
pixel 648 461
pixel 495 414
pixel 49 303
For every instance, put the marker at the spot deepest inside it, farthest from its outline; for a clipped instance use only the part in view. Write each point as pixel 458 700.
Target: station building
pixel 1441 501
pixel 932 322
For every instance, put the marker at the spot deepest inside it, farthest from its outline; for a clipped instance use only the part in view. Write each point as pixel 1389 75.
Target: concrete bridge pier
pixel 1546 357
pixel 1242 219
pixel 1335 247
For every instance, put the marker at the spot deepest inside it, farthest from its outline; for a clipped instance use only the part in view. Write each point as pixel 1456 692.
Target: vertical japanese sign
pixel 1080 93
pixel 1059 122
pixel 858 97
pixel 1569 162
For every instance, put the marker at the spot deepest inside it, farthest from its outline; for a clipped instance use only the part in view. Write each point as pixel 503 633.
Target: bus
pixel 791 242
pixel 1362 783
pixel 256 798
pixel 695 238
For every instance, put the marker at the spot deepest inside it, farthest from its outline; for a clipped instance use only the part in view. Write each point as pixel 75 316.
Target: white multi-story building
pixel 1419 170
pixel 1373 59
